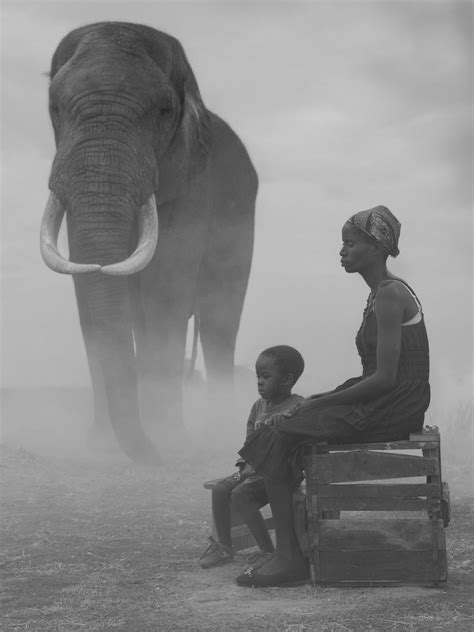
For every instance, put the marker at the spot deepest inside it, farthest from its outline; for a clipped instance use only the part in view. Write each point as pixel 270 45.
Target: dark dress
pixel 273 451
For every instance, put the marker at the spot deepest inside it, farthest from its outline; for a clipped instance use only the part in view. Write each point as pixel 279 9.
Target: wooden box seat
pixel 396 535
pixel 360 518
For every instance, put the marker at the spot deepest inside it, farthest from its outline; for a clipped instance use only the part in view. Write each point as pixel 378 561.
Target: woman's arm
pixel 318 395
pixel 389 309
pixel 350 382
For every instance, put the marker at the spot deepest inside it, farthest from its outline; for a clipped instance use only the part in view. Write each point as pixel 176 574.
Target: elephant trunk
pixel 106 315
pixel 107 188
pixel 144 251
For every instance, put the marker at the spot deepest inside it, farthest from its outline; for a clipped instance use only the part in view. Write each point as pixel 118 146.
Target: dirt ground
pixel 91 542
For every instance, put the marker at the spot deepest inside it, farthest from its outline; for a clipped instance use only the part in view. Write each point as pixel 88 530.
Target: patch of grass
pixel 102 546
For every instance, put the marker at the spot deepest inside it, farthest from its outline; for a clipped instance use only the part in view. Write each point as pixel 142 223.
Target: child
pixel 278 368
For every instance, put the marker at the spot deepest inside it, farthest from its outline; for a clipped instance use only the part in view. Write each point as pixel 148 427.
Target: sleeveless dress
pixel 273 451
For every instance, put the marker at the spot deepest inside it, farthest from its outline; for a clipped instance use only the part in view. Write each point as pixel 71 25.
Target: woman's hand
pixel 246 470
pixel 307 404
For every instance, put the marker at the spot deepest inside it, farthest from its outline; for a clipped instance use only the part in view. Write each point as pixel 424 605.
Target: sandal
pixel 295 574
pixel 259 559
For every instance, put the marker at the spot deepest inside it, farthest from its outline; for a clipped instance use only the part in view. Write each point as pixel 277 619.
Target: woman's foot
pixel 216 554
pixel 276 572
pixel 258 559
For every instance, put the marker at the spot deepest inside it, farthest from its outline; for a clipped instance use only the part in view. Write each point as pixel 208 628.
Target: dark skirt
pixel 275 451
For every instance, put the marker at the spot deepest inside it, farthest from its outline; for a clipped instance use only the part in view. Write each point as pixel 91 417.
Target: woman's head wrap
pixel 380 224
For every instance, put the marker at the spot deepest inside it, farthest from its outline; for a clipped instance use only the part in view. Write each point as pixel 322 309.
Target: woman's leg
pixel 280 496
pixel 272 451
pixel 288 566
pixel 247 498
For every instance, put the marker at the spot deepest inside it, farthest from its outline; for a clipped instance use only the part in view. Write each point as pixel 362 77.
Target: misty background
pixel 342 106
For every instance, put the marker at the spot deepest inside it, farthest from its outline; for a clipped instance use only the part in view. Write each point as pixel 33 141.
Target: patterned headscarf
pixel 380 224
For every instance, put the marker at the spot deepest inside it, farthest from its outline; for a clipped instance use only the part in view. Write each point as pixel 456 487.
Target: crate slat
pixel 396 534
pixel 374 490
pixel 373 504
pixel 429 442
pixel 407 567
pixel 364 466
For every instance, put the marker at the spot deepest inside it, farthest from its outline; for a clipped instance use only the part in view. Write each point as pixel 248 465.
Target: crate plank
pixel 382 566
pixel 373 504
pixel 374 490
pixel 425 436
pixel 397 534
pixel 390 445
pixel 352 466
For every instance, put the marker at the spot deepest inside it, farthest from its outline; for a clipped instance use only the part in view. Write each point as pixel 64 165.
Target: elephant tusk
pixel 50 225
pixel 147 240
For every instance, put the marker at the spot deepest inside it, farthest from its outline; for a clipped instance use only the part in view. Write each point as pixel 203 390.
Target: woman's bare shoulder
pixel 394 289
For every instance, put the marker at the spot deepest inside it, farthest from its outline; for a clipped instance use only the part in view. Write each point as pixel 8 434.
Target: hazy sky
pixel 342 105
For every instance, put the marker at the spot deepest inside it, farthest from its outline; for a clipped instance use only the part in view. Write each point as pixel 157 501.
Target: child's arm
pixel 251 426
pixel 251 421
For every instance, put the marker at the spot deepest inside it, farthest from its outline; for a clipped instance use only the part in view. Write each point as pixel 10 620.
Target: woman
pixel 385 404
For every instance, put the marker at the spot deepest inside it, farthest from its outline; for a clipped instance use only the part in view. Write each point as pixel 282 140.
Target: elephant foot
pixel 101 438
pixel 172 440
pixel 146 456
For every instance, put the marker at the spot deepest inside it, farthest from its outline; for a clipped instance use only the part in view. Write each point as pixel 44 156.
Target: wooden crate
pixel 367 549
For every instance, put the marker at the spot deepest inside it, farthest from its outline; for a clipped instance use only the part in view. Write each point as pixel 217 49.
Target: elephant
pixel 159 196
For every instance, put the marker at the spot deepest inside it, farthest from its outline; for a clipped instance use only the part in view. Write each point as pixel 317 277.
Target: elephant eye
pixel 165 108
pixel 165 102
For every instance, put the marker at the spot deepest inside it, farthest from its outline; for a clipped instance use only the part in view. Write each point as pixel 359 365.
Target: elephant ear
pixel 188 152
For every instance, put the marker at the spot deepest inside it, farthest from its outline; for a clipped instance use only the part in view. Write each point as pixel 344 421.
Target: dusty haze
pixel 342 106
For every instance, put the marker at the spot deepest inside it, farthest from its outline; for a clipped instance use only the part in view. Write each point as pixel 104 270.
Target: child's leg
pixel 221 499
pixel 247 498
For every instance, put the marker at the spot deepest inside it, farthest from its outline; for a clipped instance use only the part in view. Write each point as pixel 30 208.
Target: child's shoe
pixel 215 554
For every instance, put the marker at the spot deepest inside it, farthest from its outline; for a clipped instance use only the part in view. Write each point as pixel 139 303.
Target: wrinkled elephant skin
pixel 159 195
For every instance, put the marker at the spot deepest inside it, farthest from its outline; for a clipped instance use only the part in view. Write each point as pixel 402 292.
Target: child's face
pixel 270 381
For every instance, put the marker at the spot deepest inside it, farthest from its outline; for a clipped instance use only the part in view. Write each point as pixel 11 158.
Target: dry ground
pixel 90 542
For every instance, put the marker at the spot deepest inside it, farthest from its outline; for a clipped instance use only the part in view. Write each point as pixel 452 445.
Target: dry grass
pixel 95 545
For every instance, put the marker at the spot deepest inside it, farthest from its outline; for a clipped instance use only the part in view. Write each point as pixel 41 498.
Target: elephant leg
pixel 167 292
pixel 160 349
pixel 222 287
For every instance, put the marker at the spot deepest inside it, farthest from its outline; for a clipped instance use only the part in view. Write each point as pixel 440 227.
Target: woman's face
pixel 357 250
